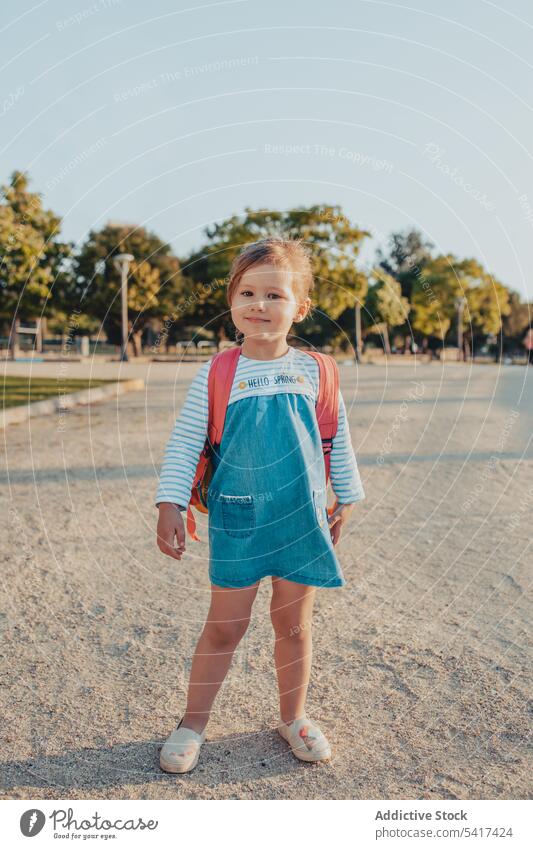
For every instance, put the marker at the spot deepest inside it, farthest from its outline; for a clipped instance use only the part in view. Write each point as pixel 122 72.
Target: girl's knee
pixel 285 627
pixel 226 634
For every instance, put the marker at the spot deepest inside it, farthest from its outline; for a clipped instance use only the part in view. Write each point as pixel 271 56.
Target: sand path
pixel 421 671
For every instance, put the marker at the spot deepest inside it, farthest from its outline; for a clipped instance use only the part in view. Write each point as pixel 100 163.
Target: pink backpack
pixel 220 381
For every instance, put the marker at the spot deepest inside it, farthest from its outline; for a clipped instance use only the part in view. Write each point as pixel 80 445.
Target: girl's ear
pixel 303 310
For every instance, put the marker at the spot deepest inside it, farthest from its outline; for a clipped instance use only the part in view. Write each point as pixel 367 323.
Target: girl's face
pixel 264 304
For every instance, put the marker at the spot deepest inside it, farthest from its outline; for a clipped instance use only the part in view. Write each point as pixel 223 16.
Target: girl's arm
pixel 344 474
pixel 185 444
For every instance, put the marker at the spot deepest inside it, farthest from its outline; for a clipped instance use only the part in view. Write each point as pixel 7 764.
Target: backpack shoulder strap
pixel 327 403
pixel 220 381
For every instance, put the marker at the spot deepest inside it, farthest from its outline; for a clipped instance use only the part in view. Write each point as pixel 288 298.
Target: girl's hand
pixel 337 519
pixel 170 524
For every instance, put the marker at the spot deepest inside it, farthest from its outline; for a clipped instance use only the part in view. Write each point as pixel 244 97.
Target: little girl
pixel 266 500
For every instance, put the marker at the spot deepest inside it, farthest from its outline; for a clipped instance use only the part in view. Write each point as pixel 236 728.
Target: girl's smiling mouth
pixel 252 318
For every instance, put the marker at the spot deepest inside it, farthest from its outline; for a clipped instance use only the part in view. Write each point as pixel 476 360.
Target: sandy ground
pixel 421 674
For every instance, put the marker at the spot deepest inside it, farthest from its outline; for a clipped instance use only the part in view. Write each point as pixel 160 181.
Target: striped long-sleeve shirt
pixel 295 372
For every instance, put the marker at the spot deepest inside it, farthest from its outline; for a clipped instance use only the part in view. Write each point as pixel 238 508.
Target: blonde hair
pixel 289 254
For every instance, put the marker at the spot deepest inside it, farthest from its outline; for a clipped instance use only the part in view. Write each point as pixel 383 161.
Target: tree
pixel 155 285
pixel 488 302
pixel 408 254
pixel 433 297
pixel 335 244
pixel 517 320
pixel 385 307
pixel 32 257
pixel 445 279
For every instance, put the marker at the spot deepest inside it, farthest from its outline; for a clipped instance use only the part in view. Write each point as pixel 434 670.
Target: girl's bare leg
pixel 226 623
pixel 291 611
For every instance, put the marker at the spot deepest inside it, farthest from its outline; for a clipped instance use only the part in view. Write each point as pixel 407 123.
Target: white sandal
pixel 181 750
pixel 306 740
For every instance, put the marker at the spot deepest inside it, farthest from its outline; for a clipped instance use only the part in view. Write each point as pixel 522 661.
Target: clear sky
pixel 177 114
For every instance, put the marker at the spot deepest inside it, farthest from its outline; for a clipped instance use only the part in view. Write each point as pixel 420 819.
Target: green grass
pixel 21 390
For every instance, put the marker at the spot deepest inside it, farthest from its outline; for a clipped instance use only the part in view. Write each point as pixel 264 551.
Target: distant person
pixel 527 342
pixel 266 500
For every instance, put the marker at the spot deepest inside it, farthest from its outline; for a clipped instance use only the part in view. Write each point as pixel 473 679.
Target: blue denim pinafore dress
pixel 267 496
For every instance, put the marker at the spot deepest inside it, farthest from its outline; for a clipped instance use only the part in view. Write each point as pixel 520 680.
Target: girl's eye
pixel 248 292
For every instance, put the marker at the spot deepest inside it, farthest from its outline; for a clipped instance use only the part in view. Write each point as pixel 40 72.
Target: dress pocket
pixel 238 515
pixel 319 503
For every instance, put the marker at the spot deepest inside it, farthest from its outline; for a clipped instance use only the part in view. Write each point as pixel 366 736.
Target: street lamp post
pixel 358 346
pixel 122 264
